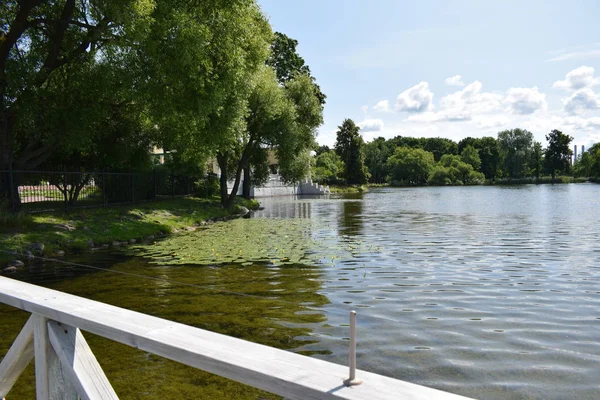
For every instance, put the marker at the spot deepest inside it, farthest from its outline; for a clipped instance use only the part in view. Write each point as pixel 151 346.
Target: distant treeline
pixel 512 157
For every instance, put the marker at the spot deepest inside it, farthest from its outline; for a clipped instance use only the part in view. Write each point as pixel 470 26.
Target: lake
pixel 488 292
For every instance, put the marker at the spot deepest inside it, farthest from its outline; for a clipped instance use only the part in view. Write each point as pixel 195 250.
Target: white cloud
pixel 371 125
pixel 455 80
pixel 382 106
pixel 579 78
pixel 576 55
pixel 491 121
pixel 585 124
pixel 471 100
pixel 525 101
pixel 462 105
pixel 415 99
pixel 364 109
pixel 582 100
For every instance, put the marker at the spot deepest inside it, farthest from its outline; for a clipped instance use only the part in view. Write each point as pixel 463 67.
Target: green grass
pixel 102 226
pixel 348 189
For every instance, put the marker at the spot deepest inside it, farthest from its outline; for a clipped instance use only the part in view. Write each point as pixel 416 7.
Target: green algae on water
pixel 277 241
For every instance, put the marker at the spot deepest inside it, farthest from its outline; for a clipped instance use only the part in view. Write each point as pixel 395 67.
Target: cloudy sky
pixel 451 68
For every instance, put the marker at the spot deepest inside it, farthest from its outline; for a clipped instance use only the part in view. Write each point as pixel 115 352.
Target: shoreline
pixel 57 234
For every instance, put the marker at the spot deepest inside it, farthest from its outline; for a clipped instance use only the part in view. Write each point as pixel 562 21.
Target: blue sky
pixel 450 68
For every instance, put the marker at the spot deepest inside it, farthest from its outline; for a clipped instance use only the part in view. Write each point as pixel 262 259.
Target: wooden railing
pixel 65 367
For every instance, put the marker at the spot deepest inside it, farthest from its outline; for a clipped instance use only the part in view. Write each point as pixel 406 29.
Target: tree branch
pixel 8 40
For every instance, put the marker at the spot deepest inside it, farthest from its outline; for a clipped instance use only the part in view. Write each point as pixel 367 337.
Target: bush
pixel 207 187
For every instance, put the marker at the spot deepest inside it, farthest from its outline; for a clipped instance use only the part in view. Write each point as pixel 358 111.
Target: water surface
pixel 489 292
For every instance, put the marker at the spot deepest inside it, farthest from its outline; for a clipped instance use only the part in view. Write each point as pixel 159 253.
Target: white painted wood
pixel 41 344
pixel 50 381
pixel 79 363
pixel 17 359
pixel 284 373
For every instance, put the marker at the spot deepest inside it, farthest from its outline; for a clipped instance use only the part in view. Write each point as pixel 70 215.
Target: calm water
pixel 487 292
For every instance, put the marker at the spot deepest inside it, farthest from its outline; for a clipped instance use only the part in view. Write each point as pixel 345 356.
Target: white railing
pixel 65 367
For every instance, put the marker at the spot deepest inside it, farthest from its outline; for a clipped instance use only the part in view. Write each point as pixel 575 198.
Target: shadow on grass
pixel 83 228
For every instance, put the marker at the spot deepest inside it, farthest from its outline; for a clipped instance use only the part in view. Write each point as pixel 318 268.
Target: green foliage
pixel 557 156
pixel 516 147
pixel 537 159
pixel 376 154
pixel 287 63
pixel 322 149
pixel 470 155
pixel 295 168
pixel 489 155
pixel 437 146
pixel 207 187
pixel 349 146
pixel 453 169
pixel 410 166
pixel 329 168
pixel 588 164
pixel 440 146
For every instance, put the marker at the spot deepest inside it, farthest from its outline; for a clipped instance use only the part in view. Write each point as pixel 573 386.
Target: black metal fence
pixel 32 191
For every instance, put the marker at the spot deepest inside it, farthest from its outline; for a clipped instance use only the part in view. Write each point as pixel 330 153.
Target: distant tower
pixel 582 149
pixel 575 154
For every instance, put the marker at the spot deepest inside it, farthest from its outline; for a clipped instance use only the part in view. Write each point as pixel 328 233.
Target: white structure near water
pixel 276 187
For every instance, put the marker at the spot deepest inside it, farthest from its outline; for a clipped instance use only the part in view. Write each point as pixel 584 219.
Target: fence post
pixel 65 195
pixel 172 185
pixel 103 187
pixel 154 181
pixel 352 381
pixel 132 189
pixel 10 187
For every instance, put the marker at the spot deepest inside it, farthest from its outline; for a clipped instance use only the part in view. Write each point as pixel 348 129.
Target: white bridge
pixel 65 367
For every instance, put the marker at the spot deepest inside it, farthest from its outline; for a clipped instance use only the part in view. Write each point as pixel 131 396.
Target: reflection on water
pixel 287 207
pixel 490 292
pixel 350 219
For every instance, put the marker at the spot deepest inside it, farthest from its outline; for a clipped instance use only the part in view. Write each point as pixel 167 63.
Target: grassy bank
pixel 348 189
pixel 86 229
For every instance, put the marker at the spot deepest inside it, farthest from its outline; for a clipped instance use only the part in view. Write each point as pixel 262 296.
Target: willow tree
pixel 283 118
pixel 180 68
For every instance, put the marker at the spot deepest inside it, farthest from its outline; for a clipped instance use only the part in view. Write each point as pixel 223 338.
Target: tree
pixel 376 154
pixel 515 147
pixel 284 118
pixel 349 146
pixel 198 56
pixel 44 48
pixel 410 166
pixel 489 155
pixel 468 141
pixel 588 165
pixel 470 155
pixel 538 158
pixel 286 62
pixel 594 153
pixel 329 168
pixel 557 156
pixel 322 149
pixel 439 146
pixel 456 171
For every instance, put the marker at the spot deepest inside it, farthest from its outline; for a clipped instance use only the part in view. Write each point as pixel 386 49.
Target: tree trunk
pixel 222 161
pixel 246 183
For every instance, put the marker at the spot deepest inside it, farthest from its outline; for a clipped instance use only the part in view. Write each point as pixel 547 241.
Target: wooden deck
pixel 55 330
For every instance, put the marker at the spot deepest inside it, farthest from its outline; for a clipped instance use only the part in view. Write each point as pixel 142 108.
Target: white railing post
pixel 352 381
pixel 50 384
